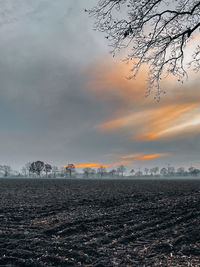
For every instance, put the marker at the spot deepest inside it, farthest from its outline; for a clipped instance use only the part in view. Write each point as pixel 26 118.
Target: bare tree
pixel 154 32
pixel 70 168
pixel 113 172
pixel 191 169
pixel 180 171
pixel 132 172
pixel 171 170
pixel 62 172
pixel 101 171
pixel 155 170
pixel 27 166
pixel 24 171
pixel 87 172
pixel 138 173
pixel 151 171
pixel 47 168
pixel 6 169
pixel 146 170
pixel 195 172
pixel 121 169
pixel 54 171
pixel 93 172
pixel 163 172
pixel 37 167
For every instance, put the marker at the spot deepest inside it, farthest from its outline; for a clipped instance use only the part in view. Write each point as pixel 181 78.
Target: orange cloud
pixel 150 156
pixel 162 121
pixel 143 156
pixel 156 122
pixel 109 125
pixel 140 117
pixel 127 121
pixel 110 81
pixel 90 165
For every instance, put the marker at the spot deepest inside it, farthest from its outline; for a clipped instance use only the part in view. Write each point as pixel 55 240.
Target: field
pixel 99 222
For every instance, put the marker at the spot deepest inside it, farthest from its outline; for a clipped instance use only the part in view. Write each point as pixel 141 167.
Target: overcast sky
pixel 64 99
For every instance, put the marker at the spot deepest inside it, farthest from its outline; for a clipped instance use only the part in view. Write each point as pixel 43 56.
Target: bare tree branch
pixel 155 32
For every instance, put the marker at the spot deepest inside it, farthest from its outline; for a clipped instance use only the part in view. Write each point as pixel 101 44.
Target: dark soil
pixel 99 223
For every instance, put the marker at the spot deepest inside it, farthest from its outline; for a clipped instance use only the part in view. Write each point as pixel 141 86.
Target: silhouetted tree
pixel 132 172
pixel 24 171
pixel 62 172
pixel 191 169
pixel 138 173
pixel 121 169
pixel 6 170
pixel 146 170
pixel 27 166
pixel 155 170
pixel 37 167
pixel 171 170
pixel 151 171
pixel 93 172
pixel 70 168
pixel 113 172
pixel 155 32
pixel 55 171
pixel 47 168
pixel 180 171
pixel 195 172
pixel 101 171
pixel 163 172
pixel 87 172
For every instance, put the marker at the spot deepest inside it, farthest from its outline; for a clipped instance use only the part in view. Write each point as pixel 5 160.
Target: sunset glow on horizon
pixel 94 165
pixel 126 160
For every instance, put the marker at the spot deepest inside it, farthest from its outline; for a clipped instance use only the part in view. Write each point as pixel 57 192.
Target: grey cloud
pixel 45 102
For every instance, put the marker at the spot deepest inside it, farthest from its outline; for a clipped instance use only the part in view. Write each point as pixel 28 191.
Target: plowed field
pixel 99 222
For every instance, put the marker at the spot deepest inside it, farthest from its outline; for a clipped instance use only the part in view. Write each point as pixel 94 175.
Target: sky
pixel 65 99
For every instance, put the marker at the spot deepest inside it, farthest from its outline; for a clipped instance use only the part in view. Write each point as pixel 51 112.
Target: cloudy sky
pixel 64 99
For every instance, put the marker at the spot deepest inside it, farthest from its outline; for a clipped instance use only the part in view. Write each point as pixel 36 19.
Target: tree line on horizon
pixel 42 169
